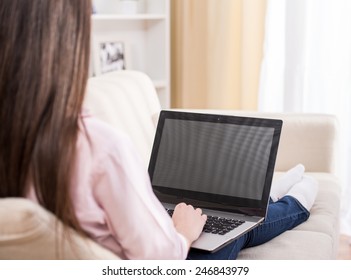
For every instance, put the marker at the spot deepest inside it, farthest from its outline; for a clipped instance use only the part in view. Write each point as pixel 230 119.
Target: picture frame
pixel 108 55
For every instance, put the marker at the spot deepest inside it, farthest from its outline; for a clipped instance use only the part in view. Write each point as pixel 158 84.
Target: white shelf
pixel 145 36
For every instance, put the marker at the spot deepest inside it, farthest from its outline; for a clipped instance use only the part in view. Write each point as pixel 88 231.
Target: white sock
pixel 305 191
pixel 283 184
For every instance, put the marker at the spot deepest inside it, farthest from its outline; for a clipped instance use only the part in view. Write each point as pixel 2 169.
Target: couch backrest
pixel 310 139
pixel 128 101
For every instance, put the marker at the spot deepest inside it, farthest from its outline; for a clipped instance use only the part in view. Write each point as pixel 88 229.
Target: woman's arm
pixel 136 218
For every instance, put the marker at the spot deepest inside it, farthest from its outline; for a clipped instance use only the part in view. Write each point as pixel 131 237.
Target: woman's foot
pixel 305 191
pixel 282 185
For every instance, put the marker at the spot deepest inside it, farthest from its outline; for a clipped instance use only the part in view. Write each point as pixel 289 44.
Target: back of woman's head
pixel 44 58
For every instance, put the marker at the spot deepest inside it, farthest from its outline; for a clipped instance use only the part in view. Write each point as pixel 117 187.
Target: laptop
pixel 220 163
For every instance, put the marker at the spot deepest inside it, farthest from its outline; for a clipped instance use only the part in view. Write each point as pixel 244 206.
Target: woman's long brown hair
pixel 44 60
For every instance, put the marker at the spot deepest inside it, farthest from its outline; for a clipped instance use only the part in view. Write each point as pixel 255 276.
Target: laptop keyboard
pixel 217 225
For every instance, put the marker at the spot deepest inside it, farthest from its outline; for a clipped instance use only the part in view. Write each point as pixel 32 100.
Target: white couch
pixel 128 101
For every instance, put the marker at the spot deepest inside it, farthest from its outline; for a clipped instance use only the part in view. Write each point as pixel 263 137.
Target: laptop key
pixel 217 225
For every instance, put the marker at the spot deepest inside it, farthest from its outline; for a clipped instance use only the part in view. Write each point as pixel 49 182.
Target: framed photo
pixel 108 56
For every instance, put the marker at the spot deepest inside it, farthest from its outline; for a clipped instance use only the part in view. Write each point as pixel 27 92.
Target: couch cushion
pixel 317 238
pixel 326 206
pixel 292 245
pixel 28 231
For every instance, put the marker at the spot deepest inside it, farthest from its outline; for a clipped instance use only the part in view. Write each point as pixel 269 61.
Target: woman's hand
pixel 188 221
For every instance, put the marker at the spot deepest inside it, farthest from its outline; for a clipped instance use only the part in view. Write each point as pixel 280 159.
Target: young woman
pixel 80 169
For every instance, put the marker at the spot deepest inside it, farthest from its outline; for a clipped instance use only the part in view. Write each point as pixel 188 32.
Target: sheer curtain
pixel 307 68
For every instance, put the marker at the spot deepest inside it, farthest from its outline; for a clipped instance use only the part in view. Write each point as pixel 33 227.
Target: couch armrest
pixel 28 231
pixel 310 139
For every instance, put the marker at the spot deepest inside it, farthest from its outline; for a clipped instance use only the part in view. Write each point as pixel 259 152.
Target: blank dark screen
pixel 216 158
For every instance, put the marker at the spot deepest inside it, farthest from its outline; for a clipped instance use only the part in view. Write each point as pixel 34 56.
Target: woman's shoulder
pixel 101 137
pixel 98 128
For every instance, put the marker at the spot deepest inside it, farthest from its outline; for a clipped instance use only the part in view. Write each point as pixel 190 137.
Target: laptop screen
pixel 214 158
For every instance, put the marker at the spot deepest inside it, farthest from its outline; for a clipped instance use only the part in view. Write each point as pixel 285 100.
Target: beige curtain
pixel 216 53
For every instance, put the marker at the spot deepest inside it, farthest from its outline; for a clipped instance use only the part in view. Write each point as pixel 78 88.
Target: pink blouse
pixel 114 201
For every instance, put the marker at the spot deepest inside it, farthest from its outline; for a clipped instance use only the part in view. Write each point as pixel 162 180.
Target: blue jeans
pixel 282 215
